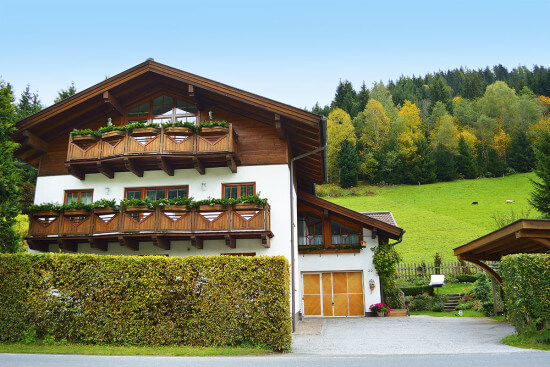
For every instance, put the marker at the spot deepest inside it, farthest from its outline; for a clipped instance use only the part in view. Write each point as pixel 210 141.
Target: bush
pixel 466 278
pixel 413 291
pixel 203 301
pixel 420 302
pixel 438 306
pixel 526 284
pixel 482 287
pixel 488 308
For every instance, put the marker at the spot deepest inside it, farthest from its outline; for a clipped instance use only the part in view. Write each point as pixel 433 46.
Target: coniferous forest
pixel 456 124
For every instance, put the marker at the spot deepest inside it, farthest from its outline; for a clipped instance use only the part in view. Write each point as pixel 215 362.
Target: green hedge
pixel 202 301
pixel 466 278
pixel 414 291
pixel 526 283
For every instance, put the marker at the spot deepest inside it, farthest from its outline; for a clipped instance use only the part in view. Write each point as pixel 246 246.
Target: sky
pixel 294 52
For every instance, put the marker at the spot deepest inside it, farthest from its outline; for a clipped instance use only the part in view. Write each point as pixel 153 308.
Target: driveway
pixel 401 335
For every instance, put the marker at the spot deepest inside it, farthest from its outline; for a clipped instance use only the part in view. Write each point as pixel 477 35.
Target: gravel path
pixel 401 335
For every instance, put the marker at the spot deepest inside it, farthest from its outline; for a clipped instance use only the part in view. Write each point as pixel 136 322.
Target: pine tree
pixel 521 157
pixel 540 197
pixel 444 163
pixel 348 162
pixel 495 166
pixel 421 169
pixel 465 163
pixel 439 92
pixel 345 96
pixel 65 93
pixel 9 174
pixel 29 104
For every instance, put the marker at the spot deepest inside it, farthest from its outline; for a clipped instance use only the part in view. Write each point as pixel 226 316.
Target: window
pixel 82 196
pixel 342 235
pixel 310 230
pixel 234 191
pixel 156 193
pixel 163 109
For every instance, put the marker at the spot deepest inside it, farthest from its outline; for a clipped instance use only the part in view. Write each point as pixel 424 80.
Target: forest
pixel 456 124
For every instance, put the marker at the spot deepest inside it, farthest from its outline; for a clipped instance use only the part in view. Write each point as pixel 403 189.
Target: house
pixel 264 148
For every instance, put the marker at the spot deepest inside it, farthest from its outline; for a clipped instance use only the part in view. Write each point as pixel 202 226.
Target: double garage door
pixel 333 294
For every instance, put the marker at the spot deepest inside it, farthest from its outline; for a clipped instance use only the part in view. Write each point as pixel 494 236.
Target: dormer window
pixel 163 109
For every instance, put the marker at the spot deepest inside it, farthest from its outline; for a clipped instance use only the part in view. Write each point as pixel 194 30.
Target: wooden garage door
pixel 333 294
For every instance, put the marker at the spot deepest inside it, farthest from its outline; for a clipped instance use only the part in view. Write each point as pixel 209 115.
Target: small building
pixel 228 143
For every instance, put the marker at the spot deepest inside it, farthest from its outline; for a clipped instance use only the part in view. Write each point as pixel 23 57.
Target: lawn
pixel 465 313
pixel 439 217
pixel 113 350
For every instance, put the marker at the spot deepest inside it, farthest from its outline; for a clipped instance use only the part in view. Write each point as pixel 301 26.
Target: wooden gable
pixel 270 132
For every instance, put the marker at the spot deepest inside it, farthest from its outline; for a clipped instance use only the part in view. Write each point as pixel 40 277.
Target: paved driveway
pixel 401 335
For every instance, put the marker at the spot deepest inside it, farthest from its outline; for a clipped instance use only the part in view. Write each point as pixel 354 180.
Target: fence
pixel 412 270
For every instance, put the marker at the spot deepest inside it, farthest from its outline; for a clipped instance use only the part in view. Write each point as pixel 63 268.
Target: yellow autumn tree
pixel 470 139
pixel 408 128
pixel 339 128
pixel 376 126
pixel 501 142
pixel 445 132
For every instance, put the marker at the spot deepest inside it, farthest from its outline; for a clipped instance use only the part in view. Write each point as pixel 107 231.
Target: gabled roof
pixel 386 217
pixel 521 236
pixel 302 129
pixel 366 221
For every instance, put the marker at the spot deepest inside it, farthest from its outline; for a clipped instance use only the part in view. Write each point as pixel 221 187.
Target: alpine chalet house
pixel 157 137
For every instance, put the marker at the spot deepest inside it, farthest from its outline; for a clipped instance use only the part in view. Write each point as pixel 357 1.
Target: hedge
pixel 151 300
pixel 466 278
pixel 526 284
pixel 414 291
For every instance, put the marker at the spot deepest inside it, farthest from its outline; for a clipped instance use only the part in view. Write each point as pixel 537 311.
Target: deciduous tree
pixel 339 128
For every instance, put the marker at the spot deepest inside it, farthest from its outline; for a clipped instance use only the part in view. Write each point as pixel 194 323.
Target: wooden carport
pixel 521 236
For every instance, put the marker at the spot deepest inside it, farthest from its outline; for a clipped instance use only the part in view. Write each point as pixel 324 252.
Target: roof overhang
pixel 521 236
pixel 382 228
pixel 302 129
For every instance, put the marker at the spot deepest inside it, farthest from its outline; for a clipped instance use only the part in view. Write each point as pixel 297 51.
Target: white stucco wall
pixel 272 182
pixel 361 261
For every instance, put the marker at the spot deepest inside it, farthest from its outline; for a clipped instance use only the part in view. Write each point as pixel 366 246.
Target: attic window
pixel 163 109
pixel 343 235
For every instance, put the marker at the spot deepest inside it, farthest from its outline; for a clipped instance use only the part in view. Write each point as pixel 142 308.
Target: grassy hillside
pixel 439 217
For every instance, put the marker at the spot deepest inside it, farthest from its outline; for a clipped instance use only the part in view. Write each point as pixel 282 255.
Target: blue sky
pixel 292 51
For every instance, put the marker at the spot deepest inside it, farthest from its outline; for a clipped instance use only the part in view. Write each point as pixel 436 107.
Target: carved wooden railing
pixel 150 141
pixel 176 219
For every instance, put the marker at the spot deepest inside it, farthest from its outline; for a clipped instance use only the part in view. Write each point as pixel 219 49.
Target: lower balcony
pixel 162 226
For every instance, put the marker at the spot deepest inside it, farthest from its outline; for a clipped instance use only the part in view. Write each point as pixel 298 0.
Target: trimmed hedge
pixel 202 301
pixel 414 291
pixel 466 278
pixel 526 283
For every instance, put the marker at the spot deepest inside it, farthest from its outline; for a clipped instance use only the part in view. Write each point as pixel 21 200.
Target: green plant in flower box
pixel 150 204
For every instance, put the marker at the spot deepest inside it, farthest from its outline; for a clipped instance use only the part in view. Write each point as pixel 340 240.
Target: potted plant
pixel 381 309
pixel 211 205
pixel 250 202
pixel 104 206
pixel 137 205
pixel 179 128
pixel 141 129
pixel 213 127
pixel 112 132
pixel 45 209
pixel 76 208
pixel 175 204
pixel 84 136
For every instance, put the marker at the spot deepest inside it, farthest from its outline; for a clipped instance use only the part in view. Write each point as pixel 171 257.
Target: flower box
pixel 178 131
pixel 145 131
pixel 88 138
pixel 45 213
pixel 214 130
pixel 248 206
pixel 76 212
pixel 105 210
pixel 132 208
pixel 175 208
pixel 111 135
pixel 212 208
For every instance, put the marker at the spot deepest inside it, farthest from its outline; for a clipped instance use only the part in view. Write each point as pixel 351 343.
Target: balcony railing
pixel 140 223
pixel 152 148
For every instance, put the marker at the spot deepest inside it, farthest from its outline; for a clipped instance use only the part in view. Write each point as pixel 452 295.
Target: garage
pixel 333 293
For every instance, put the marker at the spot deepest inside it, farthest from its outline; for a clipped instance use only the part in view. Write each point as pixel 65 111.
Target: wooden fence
pixel 412 270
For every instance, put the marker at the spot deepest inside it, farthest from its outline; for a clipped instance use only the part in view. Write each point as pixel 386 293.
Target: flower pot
pixel 214 130
pixel 380 314
pixel 145 131
pixel 112 135
pixel 178 131
pixel 88 138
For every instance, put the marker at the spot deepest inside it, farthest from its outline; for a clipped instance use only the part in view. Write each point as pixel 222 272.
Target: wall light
pixel 203 186
pixel 210 114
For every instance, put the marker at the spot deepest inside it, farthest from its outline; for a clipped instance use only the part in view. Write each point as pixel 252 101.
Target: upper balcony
pixel 160 225
pixel 146 149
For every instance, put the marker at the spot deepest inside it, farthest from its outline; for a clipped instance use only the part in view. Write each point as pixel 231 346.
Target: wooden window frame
pixel 144 190
pixel 238 185
pixel 80 192
pixel 320 220
pixel 151 118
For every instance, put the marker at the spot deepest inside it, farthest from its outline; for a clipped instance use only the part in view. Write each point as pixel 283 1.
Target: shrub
pixel 413 291
pixel 488 308
pixel 203 301
pixel 466 278
pixel 438 306
pixel 420 302
pixel 482 287
pixel 526 283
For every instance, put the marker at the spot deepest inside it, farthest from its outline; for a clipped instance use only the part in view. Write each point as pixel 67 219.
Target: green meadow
pixel 439 217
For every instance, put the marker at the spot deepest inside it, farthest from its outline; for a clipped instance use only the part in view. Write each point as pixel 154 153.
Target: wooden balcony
pixel 149 149
pixel 160 225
